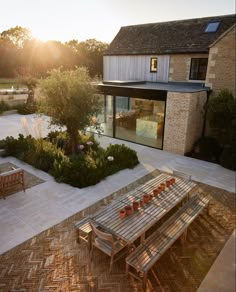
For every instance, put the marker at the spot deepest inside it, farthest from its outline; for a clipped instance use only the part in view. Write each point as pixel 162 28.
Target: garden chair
pixel 107 244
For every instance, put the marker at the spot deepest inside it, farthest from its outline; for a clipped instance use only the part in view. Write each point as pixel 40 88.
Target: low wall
pixel 13 99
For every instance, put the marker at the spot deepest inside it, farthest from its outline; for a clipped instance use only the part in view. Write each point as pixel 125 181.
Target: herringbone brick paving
pixel 53 261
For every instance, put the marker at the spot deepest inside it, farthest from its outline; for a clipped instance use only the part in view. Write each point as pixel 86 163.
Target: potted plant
pixel 172 180
pixel 128 210
pixel 156 192
pixel 135 205
pixel 145 198
pixel 122 213
pixel 168 183
pixel 141 203
pixel 163 185
pixel 160 189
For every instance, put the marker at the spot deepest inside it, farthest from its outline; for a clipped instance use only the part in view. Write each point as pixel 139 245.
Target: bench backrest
pixel 12 177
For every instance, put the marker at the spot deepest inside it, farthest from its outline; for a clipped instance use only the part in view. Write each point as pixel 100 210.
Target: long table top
pixel 135 225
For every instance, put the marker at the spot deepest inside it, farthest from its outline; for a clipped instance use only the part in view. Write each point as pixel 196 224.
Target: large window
pixel 198 69
pixel 140 121
pixel 133 119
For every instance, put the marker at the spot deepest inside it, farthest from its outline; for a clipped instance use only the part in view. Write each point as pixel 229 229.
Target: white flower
pixel 90 143
pixel 81 147
pixel 110 158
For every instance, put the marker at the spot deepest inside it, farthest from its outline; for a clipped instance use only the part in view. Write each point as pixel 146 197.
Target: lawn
pixel 6 83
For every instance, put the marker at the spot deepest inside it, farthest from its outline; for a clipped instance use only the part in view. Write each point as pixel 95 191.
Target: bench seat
pixel 147 254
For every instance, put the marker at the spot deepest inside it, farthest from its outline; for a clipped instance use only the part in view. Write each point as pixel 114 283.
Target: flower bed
pixel 90 165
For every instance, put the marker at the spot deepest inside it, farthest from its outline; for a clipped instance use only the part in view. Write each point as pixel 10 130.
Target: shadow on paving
pixel 53 261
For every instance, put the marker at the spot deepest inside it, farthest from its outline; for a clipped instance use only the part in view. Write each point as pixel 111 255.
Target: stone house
pixel 158 76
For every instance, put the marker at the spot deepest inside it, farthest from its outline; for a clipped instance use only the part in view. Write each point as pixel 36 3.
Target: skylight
pixel 212 26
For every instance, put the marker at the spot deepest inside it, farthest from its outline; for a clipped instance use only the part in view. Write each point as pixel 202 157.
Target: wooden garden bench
pixel 148 253
pixel 10 179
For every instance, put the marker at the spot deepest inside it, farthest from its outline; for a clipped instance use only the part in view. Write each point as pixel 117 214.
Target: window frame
pixel 152 69
pixel 198 67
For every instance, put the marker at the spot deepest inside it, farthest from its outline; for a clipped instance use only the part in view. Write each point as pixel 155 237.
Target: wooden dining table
pixel 135 225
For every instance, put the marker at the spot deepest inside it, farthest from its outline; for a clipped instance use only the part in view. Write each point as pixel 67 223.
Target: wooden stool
pixel 84 230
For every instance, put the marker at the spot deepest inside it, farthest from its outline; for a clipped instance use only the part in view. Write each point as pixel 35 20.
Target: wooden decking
pixel 54 261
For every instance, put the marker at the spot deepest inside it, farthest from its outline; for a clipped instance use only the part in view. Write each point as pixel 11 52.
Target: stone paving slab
pixel 221 276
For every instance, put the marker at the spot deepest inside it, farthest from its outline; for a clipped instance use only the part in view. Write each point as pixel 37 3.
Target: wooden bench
pixel 10 179
pixel 147 254
pixel 182 175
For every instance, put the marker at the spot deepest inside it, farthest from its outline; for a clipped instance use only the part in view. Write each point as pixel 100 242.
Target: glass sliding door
pixel 107 117
pixel 137 120
pixel 140 121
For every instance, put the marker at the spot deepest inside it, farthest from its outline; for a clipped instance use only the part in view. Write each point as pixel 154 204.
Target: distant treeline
pixel 21 55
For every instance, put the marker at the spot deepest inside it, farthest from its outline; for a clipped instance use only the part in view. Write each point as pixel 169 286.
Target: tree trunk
pixel 73 133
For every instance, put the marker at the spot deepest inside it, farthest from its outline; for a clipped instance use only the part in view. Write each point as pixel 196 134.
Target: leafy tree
pixel 20 54
pixel 91 52
pixel 69 98
pixel 31 84
pixel 17 35
pixel 9 59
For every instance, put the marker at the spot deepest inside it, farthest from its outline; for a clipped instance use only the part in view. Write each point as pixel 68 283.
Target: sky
pixel 64 20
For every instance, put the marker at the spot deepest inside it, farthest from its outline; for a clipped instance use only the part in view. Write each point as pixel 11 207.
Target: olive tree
pixel 70 99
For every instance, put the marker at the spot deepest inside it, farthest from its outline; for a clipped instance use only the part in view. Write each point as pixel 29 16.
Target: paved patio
pixel 24 215
pixel 53 261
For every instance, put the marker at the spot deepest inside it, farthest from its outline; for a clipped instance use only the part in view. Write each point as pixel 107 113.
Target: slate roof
pixel 181 36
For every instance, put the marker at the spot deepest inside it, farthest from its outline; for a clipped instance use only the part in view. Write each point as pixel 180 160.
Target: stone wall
pixel 184 121
pixel 179 67
pixel 221 63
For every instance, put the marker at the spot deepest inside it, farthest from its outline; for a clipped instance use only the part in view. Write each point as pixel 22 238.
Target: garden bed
pixel 88 166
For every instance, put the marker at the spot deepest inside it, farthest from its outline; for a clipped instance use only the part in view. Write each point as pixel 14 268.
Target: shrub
pixel 207 148
pixel 26 108
pixel 18 147
pixel 38 153
pixel 124 157
pixel 46 154
pixel 3 106
pixel 228 158
pixel 61 140
pixel 58 138
pixel 86 168
pixel 221 115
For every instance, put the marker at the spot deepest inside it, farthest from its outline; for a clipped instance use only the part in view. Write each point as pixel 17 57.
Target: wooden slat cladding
pixel 135 68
